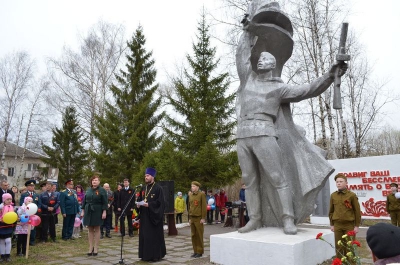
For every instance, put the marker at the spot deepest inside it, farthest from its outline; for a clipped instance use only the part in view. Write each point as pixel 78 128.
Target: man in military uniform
pixel 197 218
pixel 48 204
pixel 69 208
pixel 344 211
pixel 393 205
pixel 43 186
pixel 30 186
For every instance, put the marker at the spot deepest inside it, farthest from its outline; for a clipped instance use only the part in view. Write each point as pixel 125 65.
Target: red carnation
pixel 355 242
pixel 351 233
pixel 319 236
pixel 337 261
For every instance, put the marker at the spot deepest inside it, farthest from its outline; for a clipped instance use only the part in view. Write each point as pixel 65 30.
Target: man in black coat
pixel 124 195
pixel 4 189
pixel 115 205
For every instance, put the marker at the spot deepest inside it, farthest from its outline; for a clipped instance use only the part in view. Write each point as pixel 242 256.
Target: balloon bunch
pixel 77 222
pixel 28 217
pixel 211 205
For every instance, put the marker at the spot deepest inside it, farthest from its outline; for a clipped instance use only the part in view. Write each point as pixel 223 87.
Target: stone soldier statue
pixel 282 171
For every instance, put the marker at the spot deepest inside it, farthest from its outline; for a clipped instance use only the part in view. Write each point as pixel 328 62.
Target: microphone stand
pixel 121 260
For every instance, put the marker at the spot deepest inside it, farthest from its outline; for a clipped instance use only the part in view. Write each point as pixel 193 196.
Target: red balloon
pixel 208 207
pixel 34 220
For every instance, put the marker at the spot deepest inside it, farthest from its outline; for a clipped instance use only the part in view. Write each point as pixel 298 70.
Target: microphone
pixel 139 186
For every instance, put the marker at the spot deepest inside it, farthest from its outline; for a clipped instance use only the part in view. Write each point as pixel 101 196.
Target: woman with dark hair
pixel 94 208
pixel 80 192
pixel 17 195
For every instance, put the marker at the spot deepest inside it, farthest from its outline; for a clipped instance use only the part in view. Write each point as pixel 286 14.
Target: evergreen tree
pixel 68 153
pixel 205 134
pixel 127 130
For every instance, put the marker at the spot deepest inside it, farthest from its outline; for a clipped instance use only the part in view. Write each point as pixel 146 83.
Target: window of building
pixel 32 167
pixel 11 171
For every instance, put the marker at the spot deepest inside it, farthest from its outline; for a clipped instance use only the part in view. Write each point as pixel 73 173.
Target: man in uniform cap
pixel 344 211
pixel 151 206
pixel 69 208
pixel 383 240
pixel 30 186
pixel 43 186
pixel 393 205
pixel 197 218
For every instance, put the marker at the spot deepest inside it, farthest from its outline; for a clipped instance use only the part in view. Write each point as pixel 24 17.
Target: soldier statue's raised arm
pixel 282 171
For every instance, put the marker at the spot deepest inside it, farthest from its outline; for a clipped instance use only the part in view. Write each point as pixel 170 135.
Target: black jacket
pixel 123 198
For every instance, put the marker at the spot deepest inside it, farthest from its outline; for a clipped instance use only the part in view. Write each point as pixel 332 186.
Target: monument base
pixel 271 246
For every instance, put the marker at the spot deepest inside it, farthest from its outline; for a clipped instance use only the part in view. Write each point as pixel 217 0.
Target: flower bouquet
pixel 348 251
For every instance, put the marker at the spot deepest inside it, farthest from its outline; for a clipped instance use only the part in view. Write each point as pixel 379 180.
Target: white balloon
pixel 31 209
pixel 397 195
pixel 211 201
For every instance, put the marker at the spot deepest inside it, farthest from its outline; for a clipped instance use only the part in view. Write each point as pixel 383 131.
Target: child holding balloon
pixel 7 219
pixel 78 221
pixel 22 228
pixel 210 207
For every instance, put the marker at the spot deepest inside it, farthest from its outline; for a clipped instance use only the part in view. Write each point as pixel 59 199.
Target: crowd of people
pixel 216 209
pixel 92 209
pixel 145 208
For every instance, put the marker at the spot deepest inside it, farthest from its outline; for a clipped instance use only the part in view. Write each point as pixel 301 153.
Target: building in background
pixel 31 167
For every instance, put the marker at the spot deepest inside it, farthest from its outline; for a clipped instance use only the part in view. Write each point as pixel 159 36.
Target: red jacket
pixel 220 199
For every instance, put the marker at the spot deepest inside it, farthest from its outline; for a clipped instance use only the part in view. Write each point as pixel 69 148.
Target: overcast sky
pixel 42 28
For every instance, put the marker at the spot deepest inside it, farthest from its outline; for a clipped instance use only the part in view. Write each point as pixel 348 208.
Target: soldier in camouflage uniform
pixel 393 205
pixel 344 211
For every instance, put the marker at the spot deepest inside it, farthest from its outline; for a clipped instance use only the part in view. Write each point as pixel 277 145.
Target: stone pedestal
pixel 271 246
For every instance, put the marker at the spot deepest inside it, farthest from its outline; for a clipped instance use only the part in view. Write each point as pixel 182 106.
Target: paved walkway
pixel 179 249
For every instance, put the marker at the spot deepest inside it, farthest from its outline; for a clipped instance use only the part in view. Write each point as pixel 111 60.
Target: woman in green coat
pixel 94 211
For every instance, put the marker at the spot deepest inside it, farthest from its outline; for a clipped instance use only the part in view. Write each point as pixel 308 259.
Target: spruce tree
pixel 204 134
pixel 127 130
pixel 68 153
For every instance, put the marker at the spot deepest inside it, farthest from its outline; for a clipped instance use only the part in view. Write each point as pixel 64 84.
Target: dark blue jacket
pixel 242 195
pixel 46 201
